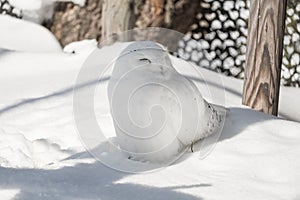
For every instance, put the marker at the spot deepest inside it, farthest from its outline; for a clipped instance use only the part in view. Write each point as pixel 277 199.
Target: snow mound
pixel 84 46
pixel 256 157
pixel 33 37
pixel 38 11
pixel 17 151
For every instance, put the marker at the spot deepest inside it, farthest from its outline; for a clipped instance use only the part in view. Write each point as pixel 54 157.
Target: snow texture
pixel 42 157
pixel 32 37
pixel 39 11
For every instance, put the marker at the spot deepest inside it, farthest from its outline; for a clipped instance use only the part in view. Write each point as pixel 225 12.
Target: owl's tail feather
pixel 220 110
pixel 219 116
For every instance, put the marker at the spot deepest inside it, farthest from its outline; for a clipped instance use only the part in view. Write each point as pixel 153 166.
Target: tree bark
pixel 264 55
pixel 177 15
pixel 72 22
pixel 117 17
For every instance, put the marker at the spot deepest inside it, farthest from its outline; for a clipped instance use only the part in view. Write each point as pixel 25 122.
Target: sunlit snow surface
pixel 38 11
pixel 42 156
pixel 17 34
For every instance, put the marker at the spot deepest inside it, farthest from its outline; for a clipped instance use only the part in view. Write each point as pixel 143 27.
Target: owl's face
pixel 143 53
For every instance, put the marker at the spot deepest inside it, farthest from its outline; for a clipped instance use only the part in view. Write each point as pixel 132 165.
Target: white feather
pixel 156 111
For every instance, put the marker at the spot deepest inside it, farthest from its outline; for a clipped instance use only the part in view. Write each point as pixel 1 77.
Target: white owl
pixel 157 112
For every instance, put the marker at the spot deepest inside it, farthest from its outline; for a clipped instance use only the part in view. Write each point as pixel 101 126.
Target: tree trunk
pixel 264 55
pixel 177 15
pixel 72 22
pixel 117 17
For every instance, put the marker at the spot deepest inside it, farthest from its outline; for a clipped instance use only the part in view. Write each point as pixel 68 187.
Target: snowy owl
pixel 156 111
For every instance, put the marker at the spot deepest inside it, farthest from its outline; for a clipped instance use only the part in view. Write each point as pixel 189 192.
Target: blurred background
pixel 219 26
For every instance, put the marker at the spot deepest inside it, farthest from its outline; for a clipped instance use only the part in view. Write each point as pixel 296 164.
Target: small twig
pixel 192 145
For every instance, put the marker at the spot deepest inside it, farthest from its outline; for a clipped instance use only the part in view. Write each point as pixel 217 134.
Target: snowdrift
pixel 42 156
pixel 20 35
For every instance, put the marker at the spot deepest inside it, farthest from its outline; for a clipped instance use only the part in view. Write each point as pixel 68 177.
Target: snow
pixel 43 157
pixel 79 2
pixel 38 11
pixel 32 37
pixel 81 46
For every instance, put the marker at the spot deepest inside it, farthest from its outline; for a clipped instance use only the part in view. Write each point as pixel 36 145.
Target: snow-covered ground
pixel 38 11
pixel 21 35
pixel 42 156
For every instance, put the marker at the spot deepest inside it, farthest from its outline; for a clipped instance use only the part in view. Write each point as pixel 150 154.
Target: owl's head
pixel 145 52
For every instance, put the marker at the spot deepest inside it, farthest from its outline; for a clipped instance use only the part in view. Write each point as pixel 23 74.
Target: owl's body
pixel 156 111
